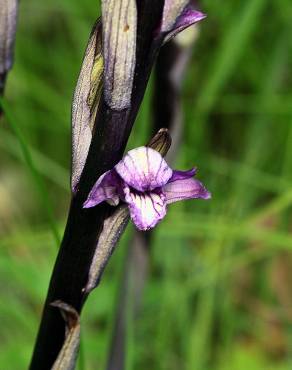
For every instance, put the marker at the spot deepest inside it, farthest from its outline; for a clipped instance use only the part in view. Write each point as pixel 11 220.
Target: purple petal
pixel 187 188
pixel 144 169
pixel 106 188
pixel 188 17
pixel 181 175
pixel 146 209
pixel 171 11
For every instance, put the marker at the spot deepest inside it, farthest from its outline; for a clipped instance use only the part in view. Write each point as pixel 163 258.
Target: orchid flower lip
pixel 144 181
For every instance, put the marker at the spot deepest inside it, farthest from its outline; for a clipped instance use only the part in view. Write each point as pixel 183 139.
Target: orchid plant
pixel 107 188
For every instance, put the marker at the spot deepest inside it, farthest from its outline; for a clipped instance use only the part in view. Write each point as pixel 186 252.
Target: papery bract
pixel 8 19
pixel 85 103
pixel 119 19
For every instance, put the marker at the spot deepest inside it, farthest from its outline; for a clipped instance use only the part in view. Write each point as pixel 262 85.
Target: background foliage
pixel 219 292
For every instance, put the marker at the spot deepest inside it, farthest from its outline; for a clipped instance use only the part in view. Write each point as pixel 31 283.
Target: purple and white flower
pixel 144 181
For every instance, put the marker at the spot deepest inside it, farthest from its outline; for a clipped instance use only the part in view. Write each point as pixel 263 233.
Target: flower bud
pixel 119 19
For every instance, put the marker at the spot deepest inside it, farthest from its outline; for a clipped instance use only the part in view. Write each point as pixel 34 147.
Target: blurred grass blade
pixel 231 48
pixel 32 169
pixel 274 207
pixel 44 165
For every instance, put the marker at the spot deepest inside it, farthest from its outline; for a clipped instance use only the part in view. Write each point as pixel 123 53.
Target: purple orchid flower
pixel 144 181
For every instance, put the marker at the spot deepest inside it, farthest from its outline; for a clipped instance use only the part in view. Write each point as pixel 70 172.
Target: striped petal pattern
pixel 144 169
pixel 144 181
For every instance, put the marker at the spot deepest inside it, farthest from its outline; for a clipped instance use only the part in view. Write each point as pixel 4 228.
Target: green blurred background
pixel 219 292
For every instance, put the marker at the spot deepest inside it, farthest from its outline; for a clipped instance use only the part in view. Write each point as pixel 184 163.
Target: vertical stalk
pixel 83 227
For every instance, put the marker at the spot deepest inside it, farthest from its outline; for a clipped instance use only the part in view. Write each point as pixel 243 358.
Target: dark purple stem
pixel 2 87
pixel 2 83
pixel 83 227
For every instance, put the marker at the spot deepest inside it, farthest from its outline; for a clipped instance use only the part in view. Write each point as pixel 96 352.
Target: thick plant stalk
pixel 169 73
pixel 112 129
pixel 113 120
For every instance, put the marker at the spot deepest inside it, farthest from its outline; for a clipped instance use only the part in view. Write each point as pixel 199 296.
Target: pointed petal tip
pixel 89 204
pixel 187 18
pixel 200 15
pixel 207 195
pixel 106 189
pixel 185 188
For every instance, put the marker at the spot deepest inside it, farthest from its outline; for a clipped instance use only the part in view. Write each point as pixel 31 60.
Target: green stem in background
pixel 37 179
pixel 167 113
pixel 231 48
pixel 45 165
pixel 225 244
